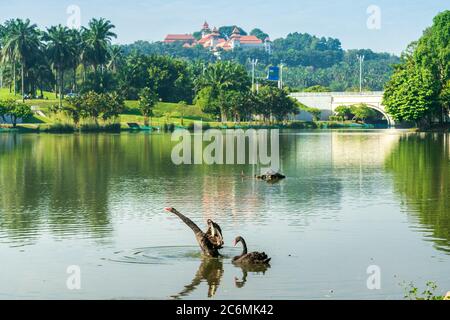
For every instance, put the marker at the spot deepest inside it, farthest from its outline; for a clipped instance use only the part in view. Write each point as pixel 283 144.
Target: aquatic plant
pixel 429 293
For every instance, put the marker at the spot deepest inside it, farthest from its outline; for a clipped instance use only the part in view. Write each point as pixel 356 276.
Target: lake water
pixel 351 200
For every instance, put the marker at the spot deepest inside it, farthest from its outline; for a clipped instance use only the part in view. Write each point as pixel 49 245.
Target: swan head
pixel 210 225
pixel 212 228
pixel 237 240
pixel 170 209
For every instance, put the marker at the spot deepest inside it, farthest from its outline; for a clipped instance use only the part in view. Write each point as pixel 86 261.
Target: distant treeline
pixel 309 60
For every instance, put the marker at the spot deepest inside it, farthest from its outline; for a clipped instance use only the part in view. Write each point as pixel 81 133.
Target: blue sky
pixel 402 21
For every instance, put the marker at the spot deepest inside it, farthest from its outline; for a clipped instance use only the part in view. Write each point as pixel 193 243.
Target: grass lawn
pixel 5 94
pixel 164 112
pixel 168 111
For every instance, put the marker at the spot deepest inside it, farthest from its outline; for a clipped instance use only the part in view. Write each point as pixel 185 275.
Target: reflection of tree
pixel 15 215
pixel 211 271
pixel 56 180
pixel 70 184
pixel 421 170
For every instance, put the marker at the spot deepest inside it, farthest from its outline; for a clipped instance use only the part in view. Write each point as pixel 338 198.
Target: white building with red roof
pixel 185 38
pixel 213 40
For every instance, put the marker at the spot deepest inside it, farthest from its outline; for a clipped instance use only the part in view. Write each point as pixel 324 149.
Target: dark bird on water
pixel 251 258
pixel 210 241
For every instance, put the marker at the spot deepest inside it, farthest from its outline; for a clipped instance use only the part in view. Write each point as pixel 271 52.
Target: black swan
pixel 271 176
pixel 210 242
pixel 251 258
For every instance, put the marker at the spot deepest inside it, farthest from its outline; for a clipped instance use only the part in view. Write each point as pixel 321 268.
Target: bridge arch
pixel 376 107
pixel 327 102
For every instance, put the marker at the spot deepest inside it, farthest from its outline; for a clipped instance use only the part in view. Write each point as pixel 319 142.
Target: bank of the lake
pixel 161 125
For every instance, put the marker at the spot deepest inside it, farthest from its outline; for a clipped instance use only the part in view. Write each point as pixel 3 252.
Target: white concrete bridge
pixel 327 102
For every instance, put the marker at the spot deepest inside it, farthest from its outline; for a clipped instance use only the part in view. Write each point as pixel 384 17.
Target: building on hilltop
pixel 185 38
pixel 214 41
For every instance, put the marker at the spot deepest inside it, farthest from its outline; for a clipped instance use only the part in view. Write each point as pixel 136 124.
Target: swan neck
pixel 244 246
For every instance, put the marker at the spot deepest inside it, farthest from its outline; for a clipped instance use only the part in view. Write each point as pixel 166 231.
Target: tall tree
pixel 21 44
pixel 170 78
pixel 7 53
pixel 433 53
pixel 97 38
pixel 59 52
pixel 115 58
pixel 76 50
pixel 410 95
pixel 418 90
pixel 276 103
pixel 147 101
pixel 221 77
pixel 2 37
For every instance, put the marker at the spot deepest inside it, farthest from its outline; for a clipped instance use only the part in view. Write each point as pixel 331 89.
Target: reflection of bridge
pixel 328 101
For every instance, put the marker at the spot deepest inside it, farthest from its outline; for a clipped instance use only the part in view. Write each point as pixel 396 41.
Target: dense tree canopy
pixel 410 94
pixel 85 63
pixel 259 34
pixel 170 78
pixel 227 31
pixel 419 89
pixel 14 110
pixel 309 60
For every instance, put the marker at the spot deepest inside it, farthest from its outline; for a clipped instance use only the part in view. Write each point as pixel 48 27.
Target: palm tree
pixel 59 52
pixel 22 42
pixel 7 54
pixel 115 57
pixel 223 77
pixel 43 73
pixel 97 39
pixel 76 48
pixel 2 37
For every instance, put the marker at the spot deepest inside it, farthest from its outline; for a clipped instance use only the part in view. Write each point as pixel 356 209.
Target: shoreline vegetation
pixel 171 126
pixel 168 117
pixel 46 117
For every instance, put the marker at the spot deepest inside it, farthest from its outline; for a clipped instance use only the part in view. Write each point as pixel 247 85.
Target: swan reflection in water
pixel 211 271
pixel 239 283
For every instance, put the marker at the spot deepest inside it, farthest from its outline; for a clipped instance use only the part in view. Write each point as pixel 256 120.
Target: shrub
pixel 61 128
pixel 92 127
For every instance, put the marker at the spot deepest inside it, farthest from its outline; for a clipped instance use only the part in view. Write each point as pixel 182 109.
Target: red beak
pixel 234 243
pixel 168 209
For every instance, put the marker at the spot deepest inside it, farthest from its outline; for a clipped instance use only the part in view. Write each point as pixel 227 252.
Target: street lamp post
pixel 280 84
pixel 360 59
pixel 254 62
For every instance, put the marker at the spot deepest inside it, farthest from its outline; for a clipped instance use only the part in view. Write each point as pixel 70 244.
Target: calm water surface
pixel 352 199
